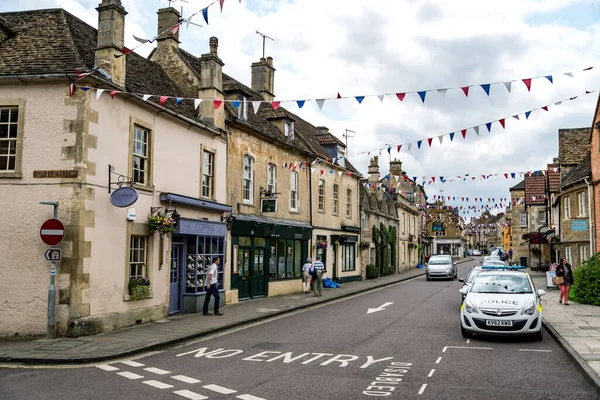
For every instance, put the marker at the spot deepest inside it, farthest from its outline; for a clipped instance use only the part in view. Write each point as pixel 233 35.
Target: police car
pixel 502 301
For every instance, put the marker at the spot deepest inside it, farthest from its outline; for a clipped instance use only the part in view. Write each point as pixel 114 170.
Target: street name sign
pixel 52 232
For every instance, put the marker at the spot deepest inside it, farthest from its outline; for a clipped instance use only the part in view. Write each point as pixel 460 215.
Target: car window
pixel 472 275
pixel 503 284
pixel 438 260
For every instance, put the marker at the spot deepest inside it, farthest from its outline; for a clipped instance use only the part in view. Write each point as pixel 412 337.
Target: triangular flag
pixel 441 138
pixel 549 77
pixel 409 146
pixel 197 103
pixel 516 116
pixel 429 141
pixel 442 92
pixel 451 136
pixel 422 95
pixel 99 93
pixel 256 106
pixel 508 85
pixel 339 96
pixel 275 104
pixel 400 96
pixel 389 149
pixel 140 39
pixel 569 74
pixel 163 99
pixel 489 126
pixel 545 108
pixel 71 89
pixel 502 122
pixel 300 103
pixel 381 96
pixel 320 103
pixel 527 113
pixel 217 103
pixel 465 90
pixel 221 3
pixel 205 14
pixel 178 100
pixel 113 93
pixel 476 128
pixel 464 133
pixel 399 147
pixel 587 69
pixel 146 97
pixel 340 173
pixel 486 88
pixel 175 29
pixel 236 104
pixel 360 99
pixel 419 143
pixel 527 83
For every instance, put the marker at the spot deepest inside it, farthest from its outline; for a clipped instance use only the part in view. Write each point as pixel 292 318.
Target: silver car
pixel 441 266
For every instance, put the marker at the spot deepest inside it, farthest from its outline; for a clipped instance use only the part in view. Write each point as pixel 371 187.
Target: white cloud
pixel 364 47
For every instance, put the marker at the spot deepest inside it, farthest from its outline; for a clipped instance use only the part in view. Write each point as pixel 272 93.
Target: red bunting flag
pixel 339 96
pixel 433 178
pixel 113 93
pixel 71 90
pixel 217 103
pixel 125 50
pixel 79 73
pixel 400 96
pixel 527 83
pixel 506 176
pixel 545 108
pixel 163 99
pixel 502 122
pixel 464 133
pixel 349 173
pixel 175 29
pixel 399 147
pixel 322 171
pixel 275 104
pixel 430 140
pixel 465 90
pixel 221 3
pixel 587 69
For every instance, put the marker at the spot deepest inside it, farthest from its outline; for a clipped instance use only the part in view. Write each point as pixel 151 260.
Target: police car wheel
pixel 466 334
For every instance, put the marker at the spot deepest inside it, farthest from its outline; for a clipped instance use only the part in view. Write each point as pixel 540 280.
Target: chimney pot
pixel 214 44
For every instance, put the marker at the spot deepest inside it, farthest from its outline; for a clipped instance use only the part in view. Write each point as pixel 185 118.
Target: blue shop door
pixel 175 285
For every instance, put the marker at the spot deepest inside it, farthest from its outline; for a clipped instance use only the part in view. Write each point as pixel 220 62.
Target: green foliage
pixel 393 245
pixel 388 270
pixel 139 288
pixel 372 271
pixel 586 289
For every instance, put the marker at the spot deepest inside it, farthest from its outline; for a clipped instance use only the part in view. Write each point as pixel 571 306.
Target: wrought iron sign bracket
pixel 121 179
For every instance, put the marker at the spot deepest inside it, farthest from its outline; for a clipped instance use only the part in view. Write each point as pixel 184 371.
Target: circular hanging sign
pixel 52 232
pixel 123 196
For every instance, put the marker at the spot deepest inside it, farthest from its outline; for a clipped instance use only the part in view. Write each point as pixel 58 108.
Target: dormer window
pixel 288 128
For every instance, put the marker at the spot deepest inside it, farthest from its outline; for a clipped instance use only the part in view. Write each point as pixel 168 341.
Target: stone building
pixel 519 225
pixel 65 143
pixel 445 226
pixel 594 141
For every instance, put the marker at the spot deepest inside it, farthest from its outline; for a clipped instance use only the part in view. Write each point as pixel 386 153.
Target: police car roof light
pixel 504 267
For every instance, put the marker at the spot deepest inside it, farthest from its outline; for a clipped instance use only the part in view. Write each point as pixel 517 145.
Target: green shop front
pixel 267 256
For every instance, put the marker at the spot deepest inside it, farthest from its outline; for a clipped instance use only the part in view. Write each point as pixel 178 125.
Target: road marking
pixel 380 308
pixel 190 395
pixel 130 375
pixel 431 373
pixel 468 341
pixel 185 379
pixel 157 371
pixel 463 347
pixel 132 363
pixel 158 385
pixel 107 367
pixel 219 389
pixel 438 360
pixel 422 388
pixel 541 351
pixel 249 397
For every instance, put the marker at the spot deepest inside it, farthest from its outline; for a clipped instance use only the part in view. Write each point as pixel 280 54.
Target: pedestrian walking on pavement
pixel 318 280
pixel 306 278
pixel 212 287
pixel 565 271
pixel 510 253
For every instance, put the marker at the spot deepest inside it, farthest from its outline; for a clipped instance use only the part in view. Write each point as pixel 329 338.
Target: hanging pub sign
pixel 268 205
pixel 123 196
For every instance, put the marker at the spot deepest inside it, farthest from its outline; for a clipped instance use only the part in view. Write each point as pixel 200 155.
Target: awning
pixel 245 225
pixel 344 238
pixel 535 238
pixel 194 202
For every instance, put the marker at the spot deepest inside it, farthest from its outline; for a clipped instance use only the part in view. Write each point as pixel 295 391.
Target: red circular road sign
pixel 52 232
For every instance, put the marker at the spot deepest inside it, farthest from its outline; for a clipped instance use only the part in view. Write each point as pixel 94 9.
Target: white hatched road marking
pixel 438 360
pixel 157 371
pixel 422 388
pixel 248 397
pixel 132 363
pixel 158 385
pixel 130 375
pixel 542 351
pixel 107 367
pixel 219 389
pixel 431 373
pixel 444 349
pixel 185 379
pixel 190 395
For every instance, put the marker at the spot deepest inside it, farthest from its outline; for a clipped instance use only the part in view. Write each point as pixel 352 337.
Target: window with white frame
pixel 365 219
pixel 137 256
pixel 321 195
pixel 141 155
pixel 294 191
pixel 542 217
pixel 567 203
pixel 403 223
pixel 208 161
pixel 584 253
pixel 9 123
pixel 349 257
pixel 349 203
pixel 336 195
pixel 288 129
pixel 248 187
pixel 581 204
pixel 568 255
pixel 523 220
pixel 271 178
pixel 403 252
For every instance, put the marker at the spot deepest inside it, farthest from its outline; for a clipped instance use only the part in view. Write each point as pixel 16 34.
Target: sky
pixel 363 47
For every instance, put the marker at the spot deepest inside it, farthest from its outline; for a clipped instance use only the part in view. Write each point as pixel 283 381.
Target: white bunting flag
pixel 339 173
pixel 256 106
pixel 320 103
pixel 508 86
pixel 312 170
pixel 245 109
pixel 569 74
pixel 99 93
pixel 381 96
pixel 197 103
pixel 140 39
pixel 516 116
pixel 409 146
pixel 442 92
pixel 146 97
pixel 441 137
pixel 476 128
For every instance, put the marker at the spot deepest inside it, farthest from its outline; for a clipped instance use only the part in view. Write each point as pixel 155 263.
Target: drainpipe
pixel 592 241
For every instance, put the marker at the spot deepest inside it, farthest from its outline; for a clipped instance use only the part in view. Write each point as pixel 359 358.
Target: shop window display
pixel 200 252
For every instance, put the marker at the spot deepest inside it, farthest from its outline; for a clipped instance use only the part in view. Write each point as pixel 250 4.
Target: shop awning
pixel 246 225
pixel 194 202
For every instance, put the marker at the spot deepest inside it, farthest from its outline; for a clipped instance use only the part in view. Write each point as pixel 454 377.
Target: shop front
pixel 267 256
pixel 346 265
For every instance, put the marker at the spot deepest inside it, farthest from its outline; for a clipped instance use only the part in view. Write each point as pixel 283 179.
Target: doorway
pixel 175 292
pixel 251 272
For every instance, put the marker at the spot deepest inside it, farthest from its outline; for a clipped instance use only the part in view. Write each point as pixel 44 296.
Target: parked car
pixel 441 266
pixel 476 252
pixel 468 280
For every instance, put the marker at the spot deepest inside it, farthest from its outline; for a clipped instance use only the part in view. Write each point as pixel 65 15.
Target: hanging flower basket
pixel 553 239
pixel 322 245
pixel 161 223
pixel 139 288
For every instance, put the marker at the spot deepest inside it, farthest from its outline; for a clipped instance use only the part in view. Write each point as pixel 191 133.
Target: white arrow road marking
pixel 422 388
pixel 132 363
pixel 185 379
pixel 380 308
pixel 157 371
pixel 107 367
pixel 190 395
pixel 158 385
pixel 130 375
pixel 219 389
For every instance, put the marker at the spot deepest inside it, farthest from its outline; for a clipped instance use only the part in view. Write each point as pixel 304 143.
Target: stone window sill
pixel 127 297
pixel 13 175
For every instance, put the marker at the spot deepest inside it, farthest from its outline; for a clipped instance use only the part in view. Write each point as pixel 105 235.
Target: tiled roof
pixel 519 186
pixel 554 177
pixel 573 145
pixel 328 138
pixel 577 174
pixel 535 186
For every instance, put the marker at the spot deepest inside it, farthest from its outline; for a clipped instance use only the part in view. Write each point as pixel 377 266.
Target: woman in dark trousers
pixel 564 269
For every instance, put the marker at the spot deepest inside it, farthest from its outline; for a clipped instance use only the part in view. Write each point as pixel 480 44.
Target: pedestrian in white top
pixel 306 275
pixel 318 281
pixel 212 287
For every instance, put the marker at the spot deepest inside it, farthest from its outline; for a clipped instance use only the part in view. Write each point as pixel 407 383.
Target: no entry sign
pixel 52 232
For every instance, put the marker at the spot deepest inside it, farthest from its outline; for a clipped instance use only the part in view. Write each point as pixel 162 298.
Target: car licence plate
pixel 493 322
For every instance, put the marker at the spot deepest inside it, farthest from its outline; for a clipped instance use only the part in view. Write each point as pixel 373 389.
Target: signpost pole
pixel 52 289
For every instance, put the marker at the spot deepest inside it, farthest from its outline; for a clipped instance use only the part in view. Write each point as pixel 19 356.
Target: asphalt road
pixel 410 348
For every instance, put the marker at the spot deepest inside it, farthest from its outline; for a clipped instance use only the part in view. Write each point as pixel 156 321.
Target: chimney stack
pixel 263 78
pixel 167 19
pixel 374 170
pixel 395 168
pixel 211 86
pixel 111 33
